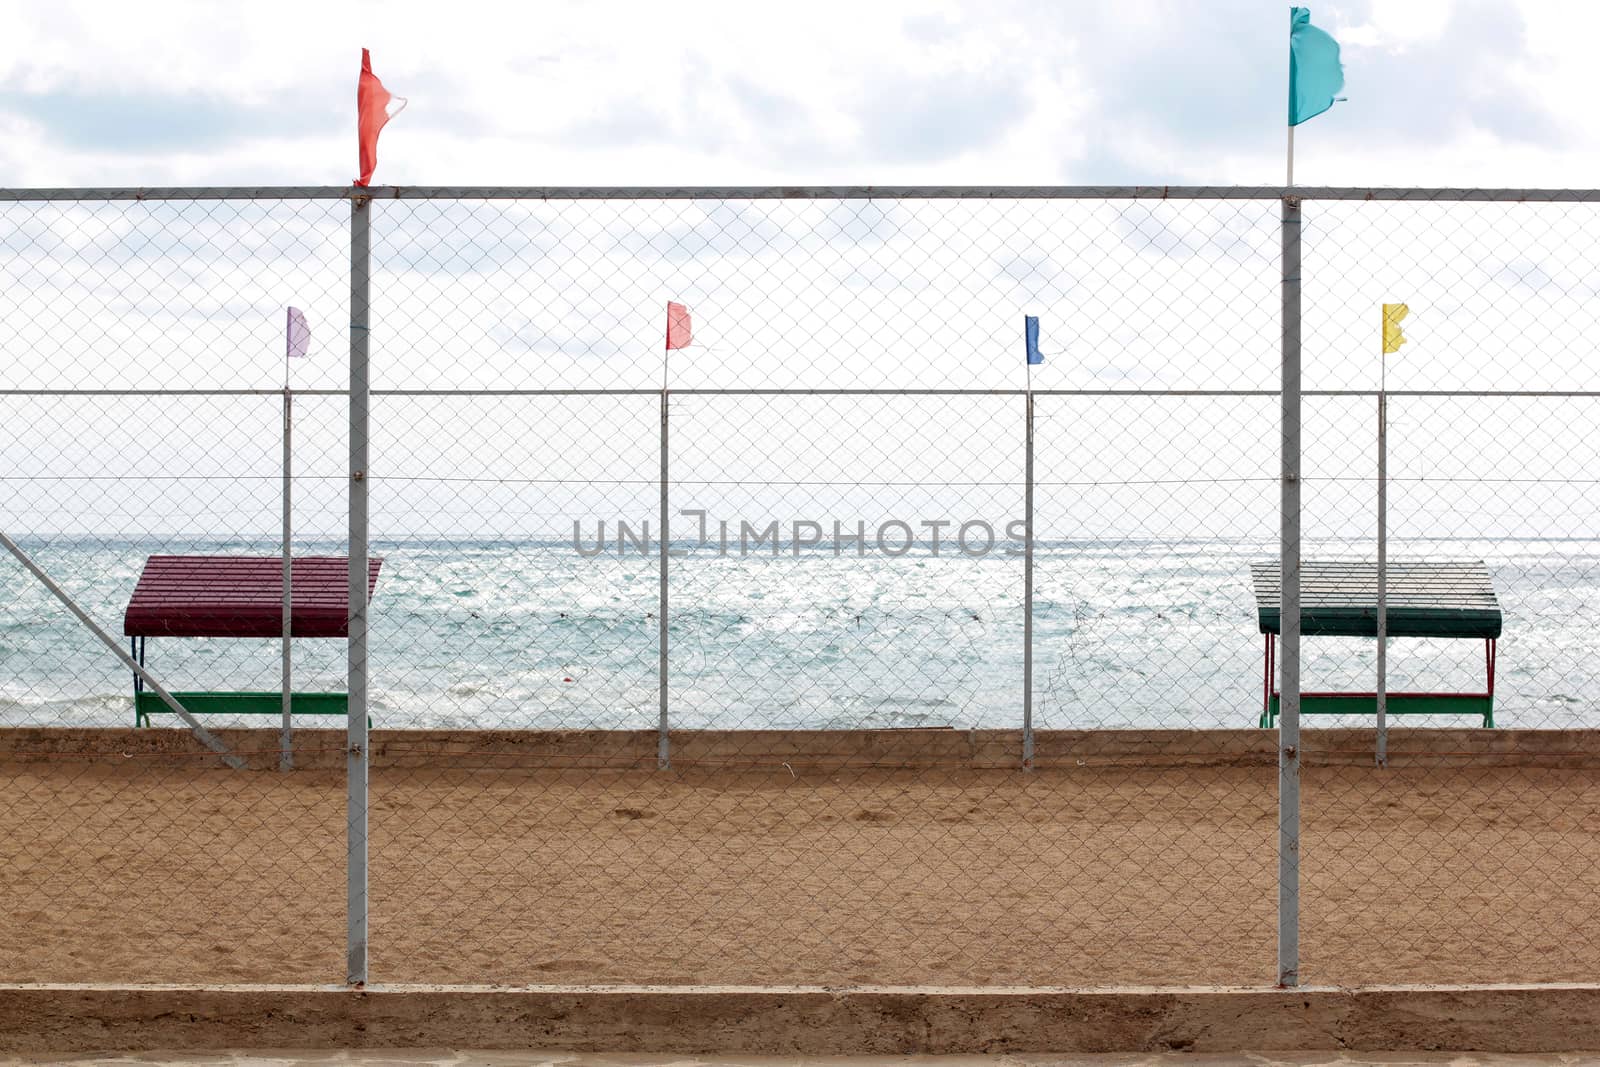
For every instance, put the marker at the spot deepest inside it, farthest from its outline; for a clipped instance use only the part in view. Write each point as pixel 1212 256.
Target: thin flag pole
pixel 663 737
pixel 1030 343
pixel 1027 587
pixel 1382 754
pixel 286 741
pixel 663 741
pixel 1290 177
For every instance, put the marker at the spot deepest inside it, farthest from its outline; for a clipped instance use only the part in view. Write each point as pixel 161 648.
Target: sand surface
pixel 125 871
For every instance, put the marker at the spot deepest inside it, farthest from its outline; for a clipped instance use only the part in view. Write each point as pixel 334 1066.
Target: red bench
pixel 239 596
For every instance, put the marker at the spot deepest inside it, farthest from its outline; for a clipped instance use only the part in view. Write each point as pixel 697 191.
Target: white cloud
pixel 719 92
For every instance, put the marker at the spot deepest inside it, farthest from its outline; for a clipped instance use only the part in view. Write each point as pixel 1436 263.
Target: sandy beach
pixel 173 870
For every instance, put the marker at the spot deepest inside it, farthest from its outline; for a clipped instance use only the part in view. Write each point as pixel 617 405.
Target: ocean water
pixel 497 635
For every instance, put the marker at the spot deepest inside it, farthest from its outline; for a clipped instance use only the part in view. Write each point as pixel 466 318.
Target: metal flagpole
pixel 1382 754
pixel 356 760
pixel 1289 625
pixel 285 743
pixel 1027 585
pixel 663 744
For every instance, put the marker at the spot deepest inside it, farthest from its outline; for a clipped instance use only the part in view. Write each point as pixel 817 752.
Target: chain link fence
pixel 840 646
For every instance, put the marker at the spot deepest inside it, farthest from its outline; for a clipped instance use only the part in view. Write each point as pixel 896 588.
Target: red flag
pixel 372 111
pixel 677 326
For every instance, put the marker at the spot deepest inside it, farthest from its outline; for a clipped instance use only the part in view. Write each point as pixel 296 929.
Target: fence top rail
pixel 809 192
pixel 471 391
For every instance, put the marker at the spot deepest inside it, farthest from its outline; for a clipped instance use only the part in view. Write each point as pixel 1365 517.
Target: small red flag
pixel 677 326
pixel 372 111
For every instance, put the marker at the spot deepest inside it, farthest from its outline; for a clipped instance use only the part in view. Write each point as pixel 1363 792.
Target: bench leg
pixel 1489 650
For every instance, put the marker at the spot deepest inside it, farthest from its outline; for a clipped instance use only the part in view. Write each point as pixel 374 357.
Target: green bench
pixel 1431 598
pixel 147 703
pixel 1479 704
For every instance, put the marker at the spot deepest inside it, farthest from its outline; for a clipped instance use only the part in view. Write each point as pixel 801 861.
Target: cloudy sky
pixel 1447 92
pixel 474 296
pixel 792 294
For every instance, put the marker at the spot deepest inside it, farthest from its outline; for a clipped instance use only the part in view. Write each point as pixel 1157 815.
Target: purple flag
pixel 296 334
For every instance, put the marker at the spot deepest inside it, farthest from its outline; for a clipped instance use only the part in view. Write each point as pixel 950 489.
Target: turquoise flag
pixel 1315 74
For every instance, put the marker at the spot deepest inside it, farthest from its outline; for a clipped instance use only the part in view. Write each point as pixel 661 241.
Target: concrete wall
pixel 807 1021
pixel 827 749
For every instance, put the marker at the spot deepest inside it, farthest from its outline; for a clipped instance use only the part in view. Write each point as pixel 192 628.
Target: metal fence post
pixel 663 749
pixel 356 722
pixel 1027 592
pixel 1289 625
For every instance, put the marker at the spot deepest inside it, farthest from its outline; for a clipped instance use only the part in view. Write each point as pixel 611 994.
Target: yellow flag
pixel 1392 337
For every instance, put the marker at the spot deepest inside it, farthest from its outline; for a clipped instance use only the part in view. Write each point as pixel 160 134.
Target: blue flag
pixel 1315 74
pixel 1030 331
